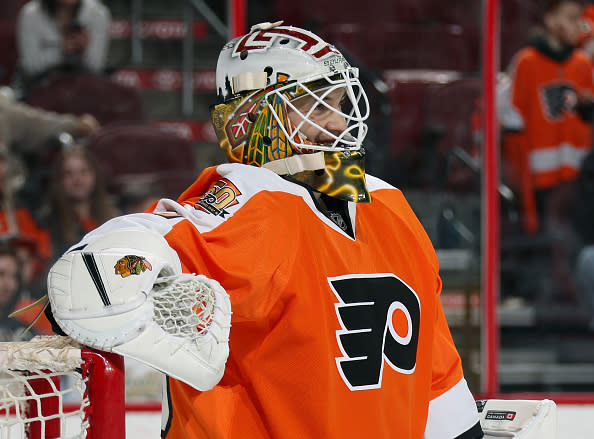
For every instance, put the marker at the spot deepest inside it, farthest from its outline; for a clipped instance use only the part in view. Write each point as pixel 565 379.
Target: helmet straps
pixel 249 81
pixel 297 163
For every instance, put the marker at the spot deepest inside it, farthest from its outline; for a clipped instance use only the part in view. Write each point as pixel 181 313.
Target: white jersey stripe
pixel 451 413
pixel 555 157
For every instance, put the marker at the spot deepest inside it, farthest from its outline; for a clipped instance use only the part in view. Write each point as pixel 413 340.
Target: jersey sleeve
pixel 241 256
pixel 514 96
pixel 588 73
pixel 452 410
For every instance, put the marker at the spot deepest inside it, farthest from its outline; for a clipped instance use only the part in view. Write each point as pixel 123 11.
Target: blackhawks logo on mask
pixel 131 264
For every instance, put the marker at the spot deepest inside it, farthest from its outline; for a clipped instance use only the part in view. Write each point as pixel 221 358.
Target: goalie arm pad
pixel 518 419
pixel 103 294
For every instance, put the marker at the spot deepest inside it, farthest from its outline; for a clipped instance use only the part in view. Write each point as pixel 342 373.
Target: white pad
pixel 518 419
pixel 103 295
pixel 297 163
pixel 249 81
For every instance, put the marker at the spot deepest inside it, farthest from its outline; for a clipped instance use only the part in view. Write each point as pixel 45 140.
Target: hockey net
pixel 51 387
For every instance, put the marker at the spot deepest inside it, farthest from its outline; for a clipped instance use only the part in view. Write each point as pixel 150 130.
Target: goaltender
pixel 337 326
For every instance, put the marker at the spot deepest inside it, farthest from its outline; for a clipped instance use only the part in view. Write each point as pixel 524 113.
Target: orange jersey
pixel 332 336
pixel 23 228
pixel 42 325
pixel 554 138
pixel 26 229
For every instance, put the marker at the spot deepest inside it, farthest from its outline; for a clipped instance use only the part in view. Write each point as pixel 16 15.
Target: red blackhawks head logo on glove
pixel 131 264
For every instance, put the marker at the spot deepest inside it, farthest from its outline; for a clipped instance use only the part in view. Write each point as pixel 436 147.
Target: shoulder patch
pixel 221 195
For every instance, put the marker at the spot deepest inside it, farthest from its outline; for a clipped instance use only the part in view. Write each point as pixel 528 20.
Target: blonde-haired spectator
pixel 78 200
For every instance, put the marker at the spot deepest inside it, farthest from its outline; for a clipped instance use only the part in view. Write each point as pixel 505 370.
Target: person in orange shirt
pixel 10 329
pixel 547 111
pixel 13 299
pixel 337 327
pixel 17 224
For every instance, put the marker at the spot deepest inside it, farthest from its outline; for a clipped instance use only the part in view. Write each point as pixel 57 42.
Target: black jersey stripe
pixel 91 265
pixel 165 428
pixel 476 432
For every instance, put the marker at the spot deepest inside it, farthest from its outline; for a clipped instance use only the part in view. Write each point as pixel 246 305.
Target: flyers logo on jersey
pixel 262 40
pixel 220 196
pixel 557 99
pixel 380 316
pixel 131 264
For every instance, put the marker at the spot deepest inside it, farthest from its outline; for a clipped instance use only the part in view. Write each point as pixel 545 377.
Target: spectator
pixel 67 35
pixel 17 224
pixel 78 201
pixel 12 299
pixel 548 110
pixel 9 288
pixel 25 129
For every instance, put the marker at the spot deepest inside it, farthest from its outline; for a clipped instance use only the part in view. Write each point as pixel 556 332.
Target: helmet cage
pixel 354 109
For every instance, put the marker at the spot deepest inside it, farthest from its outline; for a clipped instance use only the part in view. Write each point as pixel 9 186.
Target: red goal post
pixel 51 387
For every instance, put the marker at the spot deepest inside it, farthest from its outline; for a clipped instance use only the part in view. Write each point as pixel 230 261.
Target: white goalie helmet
pixel 274 86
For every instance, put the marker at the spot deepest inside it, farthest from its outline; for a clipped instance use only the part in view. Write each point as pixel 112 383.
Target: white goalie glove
pixel 518 419
pixel 125 293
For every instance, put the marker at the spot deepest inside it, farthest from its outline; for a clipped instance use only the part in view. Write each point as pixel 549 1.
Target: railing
pixel 188 59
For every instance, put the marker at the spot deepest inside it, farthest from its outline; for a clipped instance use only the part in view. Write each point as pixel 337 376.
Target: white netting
pixel 56 353
pixel 37 379
pixel 184 305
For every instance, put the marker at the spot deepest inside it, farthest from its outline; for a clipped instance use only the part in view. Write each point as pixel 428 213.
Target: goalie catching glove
pixel 125 293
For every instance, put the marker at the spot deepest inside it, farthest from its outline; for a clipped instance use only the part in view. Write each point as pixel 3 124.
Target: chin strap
pixel 297 163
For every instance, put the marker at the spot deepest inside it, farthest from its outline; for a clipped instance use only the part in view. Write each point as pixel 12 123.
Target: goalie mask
pixel 290 102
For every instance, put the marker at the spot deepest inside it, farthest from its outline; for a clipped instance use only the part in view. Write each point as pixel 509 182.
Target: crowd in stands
pixel 52 190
